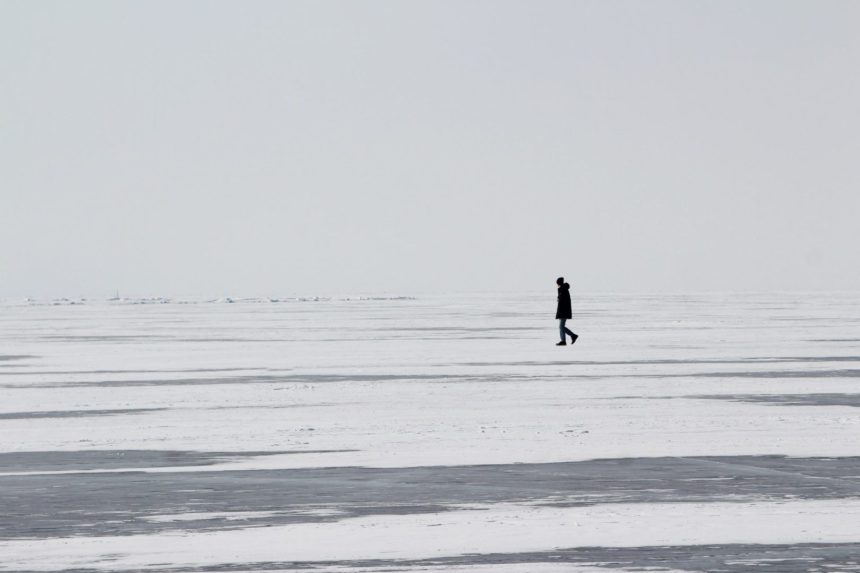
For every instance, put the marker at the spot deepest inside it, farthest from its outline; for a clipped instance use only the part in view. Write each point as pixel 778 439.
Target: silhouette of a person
pixel 564 312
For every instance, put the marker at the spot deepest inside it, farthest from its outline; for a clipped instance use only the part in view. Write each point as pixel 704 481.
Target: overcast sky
pixel 318 147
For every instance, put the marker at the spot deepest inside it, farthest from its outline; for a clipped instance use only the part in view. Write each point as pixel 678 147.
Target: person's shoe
pixel 572 340
pixel 562 343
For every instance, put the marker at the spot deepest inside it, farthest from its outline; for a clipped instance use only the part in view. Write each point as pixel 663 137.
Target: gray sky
pixel 314 147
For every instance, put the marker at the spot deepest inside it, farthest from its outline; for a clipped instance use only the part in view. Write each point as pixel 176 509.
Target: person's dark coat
pixel 564 310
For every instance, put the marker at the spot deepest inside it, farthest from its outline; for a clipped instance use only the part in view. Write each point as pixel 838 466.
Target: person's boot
pixel 573 339
pixel 562 343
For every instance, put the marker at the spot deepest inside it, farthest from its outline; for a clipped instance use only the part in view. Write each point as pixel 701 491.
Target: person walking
pixel 564 312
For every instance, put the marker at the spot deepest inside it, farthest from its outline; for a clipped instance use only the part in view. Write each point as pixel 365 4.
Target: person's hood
pixel 565 286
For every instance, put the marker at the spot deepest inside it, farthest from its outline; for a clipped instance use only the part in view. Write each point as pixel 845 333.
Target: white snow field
pixel 709 432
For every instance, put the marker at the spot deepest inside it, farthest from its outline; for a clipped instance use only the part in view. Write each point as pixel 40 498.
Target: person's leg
pixel 562 329
pixel 573 336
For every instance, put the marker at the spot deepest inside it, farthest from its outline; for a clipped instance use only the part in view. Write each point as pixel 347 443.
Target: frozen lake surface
pixel 715 432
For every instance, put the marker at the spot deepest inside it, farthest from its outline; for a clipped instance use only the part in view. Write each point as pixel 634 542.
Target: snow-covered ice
pixel 350 433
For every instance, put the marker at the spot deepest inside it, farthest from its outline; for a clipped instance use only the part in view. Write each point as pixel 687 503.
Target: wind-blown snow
pixel 436 381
